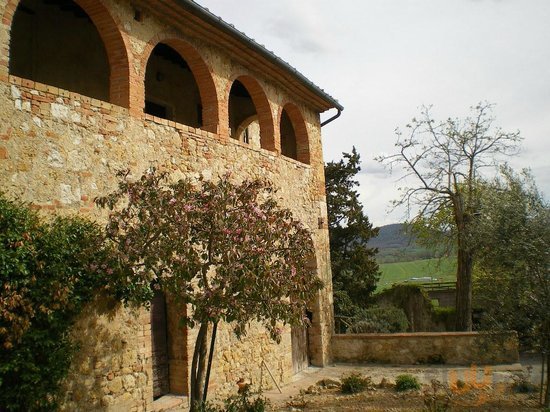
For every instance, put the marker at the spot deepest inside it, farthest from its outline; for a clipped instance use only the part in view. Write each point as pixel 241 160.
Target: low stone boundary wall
pixel 453 348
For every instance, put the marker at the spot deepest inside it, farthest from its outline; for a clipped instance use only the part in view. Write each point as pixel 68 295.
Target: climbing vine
pixel 49 269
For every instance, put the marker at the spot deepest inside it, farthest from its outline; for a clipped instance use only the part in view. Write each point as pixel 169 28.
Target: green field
pixel 444 270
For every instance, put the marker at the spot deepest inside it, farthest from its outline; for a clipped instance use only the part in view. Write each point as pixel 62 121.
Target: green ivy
pixel 48 271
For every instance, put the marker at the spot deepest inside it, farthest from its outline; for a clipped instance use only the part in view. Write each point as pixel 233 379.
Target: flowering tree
pixel 227 250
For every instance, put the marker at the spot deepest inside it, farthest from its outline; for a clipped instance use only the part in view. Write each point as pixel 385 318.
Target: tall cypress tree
pixel 354 268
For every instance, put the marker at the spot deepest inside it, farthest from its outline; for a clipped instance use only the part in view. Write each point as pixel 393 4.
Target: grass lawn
pixel 444 270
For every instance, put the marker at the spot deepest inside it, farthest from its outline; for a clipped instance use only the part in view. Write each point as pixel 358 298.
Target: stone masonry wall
pixel 59 150
pixel 453 348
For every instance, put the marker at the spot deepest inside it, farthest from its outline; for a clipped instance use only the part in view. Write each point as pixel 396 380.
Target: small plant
pixel 244 402
pixel 207 407
pixel 406 382
pixel 355 383
pixel 299 401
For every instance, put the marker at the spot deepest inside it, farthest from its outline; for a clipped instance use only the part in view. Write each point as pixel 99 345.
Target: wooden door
pixel 300 360
pixel 159 337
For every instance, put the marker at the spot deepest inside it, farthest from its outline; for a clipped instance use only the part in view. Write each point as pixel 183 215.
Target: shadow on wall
pixel 106 364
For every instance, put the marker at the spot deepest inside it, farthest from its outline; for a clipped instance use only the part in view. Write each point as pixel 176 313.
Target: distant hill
pixel 394 245
pixel 391 236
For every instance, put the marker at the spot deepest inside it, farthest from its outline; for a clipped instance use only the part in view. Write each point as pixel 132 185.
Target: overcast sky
pixel 383 59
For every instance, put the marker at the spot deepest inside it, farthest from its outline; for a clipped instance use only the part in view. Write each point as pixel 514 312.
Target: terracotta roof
pixel 218 31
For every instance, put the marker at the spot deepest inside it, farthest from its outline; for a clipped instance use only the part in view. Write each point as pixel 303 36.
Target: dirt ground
pixel 444 388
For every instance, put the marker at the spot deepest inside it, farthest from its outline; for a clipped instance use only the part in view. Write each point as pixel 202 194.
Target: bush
pixel 242 402
pixel 379 319
pixel 48 272
pixel 406 382
pixel 445 316
pixel 355 382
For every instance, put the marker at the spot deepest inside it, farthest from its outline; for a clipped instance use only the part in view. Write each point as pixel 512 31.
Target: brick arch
pixel 113 41
pixel 263 110
pixel 300 131
pixel 201 72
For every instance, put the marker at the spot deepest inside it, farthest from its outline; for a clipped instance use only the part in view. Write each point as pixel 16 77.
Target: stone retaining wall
pixel 455 348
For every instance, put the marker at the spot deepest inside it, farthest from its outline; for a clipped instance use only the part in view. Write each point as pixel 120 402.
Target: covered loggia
pixel 56 43
pixel 171 91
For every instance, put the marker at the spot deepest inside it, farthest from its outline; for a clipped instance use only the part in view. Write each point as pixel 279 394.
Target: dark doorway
pixel 159 336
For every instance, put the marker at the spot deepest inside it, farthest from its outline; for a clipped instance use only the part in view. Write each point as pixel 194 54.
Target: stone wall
pixel 59 150
pixel 453 348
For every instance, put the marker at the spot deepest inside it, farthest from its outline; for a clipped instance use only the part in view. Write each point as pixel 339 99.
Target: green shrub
pixel 379 319
pixel 48 272
pixel 356 382
pixel 445 316
pixel 406 382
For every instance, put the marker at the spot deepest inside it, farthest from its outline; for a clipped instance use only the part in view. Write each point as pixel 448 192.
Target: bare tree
pixel 444 159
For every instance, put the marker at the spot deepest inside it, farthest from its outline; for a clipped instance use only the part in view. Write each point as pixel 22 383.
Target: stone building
pixel 88 87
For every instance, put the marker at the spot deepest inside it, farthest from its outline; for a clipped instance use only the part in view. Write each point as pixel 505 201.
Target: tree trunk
pixel 464 291
pixel 210 356
pixel 546 351
pixel 465 263
pixel 198 367
pixel 547 392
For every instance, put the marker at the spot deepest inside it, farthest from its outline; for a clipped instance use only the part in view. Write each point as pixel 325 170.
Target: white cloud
pixel 383 59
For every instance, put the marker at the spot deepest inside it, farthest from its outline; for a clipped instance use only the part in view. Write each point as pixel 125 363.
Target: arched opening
pixel 241 109
pixel 288 137
pixel 249 113
pixel 171 91
pixel 55 42
pixel 294 138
